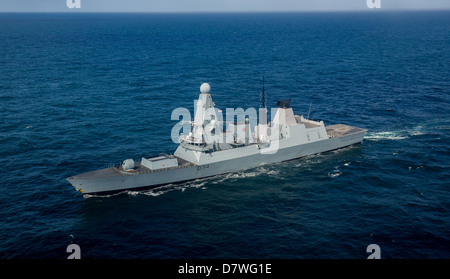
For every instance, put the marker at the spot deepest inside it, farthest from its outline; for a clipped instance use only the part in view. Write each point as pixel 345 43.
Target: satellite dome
pixel 205 88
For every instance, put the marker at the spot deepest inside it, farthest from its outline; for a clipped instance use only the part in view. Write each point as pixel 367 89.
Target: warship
pixel 209 149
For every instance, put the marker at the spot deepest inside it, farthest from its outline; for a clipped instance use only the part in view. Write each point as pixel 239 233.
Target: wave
pixel 198 183
pixel 435 127
pixel 88 196
pixel 335 173
pixel 385 136
pixel 395 135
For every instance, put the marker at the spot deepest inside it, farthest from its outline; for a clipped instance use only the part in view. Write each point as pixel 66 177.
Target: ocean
pixel 79 92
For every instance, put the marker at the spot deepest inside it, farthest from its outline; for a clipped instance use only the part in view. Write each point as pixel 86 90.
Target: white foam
pixel 273 172
pixel 88 196
pixel 418 130
pixel 199 183
pixel 385 136
pixel 335 173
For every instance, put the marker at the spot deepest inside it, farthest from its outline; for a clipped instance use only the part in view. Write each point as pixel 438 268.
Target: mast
pixel 262 126
pixel 263 97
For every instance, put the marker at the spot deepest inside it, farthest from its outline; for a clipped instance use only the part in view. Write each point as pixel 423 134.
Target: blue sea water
pixel 81 91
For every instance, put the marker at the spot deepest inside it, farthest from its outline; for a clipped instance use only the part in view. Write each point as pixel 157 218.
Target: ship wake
pixel 395 135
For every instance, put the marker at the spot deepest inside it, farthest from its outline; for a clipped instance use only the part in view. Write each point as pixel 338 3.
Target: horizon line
pixel 78 11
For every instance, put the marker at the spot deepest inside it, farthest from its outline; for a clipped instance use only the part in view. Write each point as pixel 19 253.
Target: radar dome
pixel 205 88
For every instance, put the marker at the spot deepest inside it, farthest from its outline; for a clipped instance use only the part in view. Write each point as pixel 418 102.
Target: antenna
pixel 309 110
pixel 263 97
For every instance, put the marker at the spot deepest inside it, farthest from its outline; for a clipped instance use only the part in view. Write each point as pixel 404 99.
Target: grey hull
pixel 111 180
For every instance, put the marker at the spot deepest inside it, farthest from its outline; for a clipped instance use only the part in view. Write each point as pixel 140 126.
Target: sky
pixel 217 5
